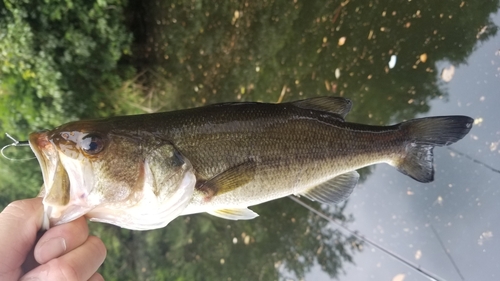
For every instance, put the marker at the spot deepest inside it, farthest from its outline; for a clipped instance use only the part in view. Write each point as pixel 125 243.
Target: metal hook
pixel 15 143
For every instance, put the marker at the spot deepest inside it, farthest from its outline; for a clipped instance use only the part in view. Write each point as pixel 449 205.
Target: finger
pixel 20 222
pixel 79 264
pixel 61 239
pixel 96 277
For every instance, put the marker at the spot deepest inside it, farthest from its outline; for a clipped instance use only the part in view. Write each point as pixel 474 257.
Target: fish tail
pixel 422 136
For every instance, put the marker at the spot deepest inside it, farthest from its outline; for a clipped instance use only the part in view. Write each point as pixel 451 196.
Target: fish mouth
pixel 56 183
pixel 45 153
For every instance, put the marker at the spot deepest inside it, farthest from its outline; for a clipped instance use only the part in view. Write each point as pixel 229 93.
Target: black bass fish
pixel 141 172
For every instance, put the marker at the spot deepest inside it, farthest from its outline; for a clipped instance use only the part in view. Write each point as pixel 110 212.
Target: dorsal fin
pixel 337 105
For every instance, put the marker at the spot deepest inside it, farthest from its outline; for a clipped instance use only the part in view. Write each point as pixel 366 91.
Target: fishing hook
pixel 15 144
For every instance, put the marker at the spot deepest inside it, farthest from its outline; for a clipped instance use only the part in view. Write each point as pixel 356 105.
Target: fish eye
pixel 92 144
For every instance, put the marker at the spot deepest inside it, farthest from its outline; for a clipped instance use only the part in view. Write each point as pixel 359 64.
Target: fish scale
pixel 140 172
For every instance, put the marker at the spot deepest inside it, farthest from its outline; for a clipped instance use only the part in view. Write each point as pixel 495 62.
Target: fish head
pixel 130 179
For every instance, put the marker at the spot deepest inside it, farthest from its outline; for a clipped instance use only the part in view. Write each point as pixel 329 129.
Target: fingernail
pixel 53 248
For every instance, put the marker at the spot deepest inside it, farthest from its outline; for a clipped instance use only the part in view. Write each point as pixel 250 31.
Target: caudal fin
pixel 423 134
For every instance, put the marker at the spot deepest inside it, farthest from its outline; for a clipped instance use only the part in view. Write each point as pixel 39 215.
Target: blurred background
pixel 77 59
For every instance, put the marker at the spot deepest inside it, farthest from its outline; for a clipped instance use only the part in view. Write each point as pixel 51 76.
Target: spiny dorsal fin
pixel 334 190
pixel 230 179
pixel 234 214
pixel 337 105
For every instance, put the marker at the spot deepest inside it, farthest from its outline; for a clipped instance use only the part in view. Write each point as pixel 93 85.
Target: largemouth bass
pixel 141 172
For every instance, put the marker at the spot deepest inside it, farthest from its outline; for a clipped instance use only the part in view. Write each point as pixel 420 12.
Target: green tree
pixel 62 60
pixel 255 50
pixel 58 62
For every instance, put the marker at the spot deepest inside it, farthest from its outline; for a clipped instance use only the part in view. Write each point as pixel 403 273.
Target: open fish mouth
pixel 73 189
pixel 46 154
pixel 56 188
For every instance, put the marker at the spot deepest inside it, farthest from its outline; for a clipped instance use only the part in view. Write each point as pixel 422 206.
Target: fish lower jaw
pixel 55 215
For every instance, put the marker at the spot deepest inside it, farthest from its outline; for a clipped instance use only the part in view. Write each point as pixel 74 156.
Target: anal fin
pixel 334 190
pixel 234 214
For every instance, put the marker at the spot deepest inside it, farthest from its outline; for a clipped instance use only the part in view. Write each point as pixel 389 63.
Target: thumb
pixel 20 221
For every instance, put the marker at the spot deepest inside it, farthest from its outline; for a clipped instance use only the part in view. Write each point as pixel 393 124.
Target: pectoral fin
pixel 334 190
pixel 229 180
pixel 234 214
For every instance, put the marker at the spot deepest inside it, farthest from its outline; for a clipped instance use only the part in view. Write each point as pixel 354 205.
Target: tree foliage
pixel 257 50
pixel 66 59
pixel 58 60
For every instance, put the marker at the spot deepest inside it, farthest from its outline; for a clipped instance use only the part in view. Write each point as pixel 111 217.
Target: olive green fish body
pixel 223 158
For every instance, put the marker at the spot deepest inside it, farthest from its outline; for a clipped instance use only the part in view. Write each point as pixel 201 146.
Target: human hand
pixel 64 252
